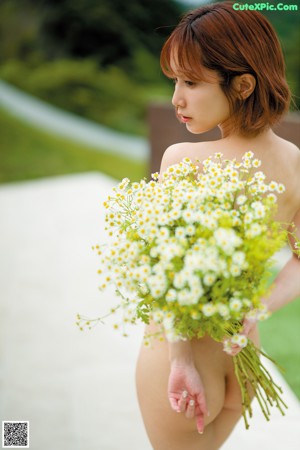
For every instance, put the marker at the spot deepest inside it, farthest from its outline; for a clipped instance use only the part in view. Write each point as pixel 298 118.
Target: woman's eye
pixel 189 83
pixel 186 82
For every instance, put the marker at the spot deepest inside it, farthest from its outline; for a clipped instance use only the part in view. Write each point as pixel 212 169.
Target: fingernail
pixel 192 402
pixel 200 432
pixel 185 394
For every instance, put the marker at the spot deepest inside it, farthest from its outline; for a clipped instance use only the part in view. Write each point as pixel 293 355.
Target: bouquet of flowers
pixel 192 253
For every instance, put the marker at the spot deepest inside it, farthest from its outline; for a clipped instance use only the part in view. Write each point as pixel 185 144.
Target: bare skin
pixel 169 430
pixel 189 388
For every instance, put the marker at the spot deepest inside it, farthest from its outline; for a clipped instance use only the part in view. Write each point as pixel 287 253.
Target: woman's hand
pixel 232 348
pixel 186 392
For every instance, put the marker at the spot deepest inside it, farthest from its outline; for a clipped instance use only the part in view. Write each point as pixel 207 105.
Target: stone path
pixel 77 389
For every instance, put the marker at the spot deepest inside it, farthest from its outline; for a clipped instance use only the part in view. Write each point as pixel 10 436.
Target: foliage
pixel 27 153
pixel 286 24
pixel 97 59
pixel 110 32
pixel 100 59
pixel 81 87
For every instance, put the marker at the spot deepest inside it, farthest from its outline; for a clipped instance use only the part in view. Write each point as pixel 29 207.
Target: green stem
pixel 252 375
pixel 245 408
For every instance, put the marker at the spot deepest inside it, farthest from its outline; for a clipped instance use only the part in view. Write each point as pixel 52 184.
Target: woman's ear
pixel 244 85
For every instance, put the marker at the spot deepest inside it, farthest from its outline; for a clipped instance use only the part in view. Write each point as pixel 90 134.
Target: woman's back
pixel 280 162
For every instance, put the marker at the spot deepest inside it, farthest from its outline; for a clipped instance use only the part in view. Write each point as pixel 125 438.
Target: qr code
pixel 15 434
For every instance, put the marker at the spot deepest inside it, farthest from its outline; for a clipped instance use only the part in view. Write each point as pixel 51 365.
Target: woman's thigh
pixel 168 430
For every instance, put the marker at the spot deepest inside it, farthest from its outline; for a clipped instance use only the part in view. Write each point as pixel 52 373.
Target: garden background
pixel 99 60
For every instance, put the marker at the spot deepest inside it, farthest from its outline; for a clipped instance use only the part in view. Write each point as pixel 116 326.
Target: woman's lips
pixel 183 119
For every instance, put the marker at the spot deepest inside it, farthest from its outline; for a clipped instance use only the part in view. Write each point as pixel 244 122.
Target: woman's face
pixel 201 105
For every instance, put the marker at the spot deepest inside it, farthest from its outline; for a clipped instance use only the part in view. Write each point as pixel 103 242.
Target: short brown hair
pixel 231 42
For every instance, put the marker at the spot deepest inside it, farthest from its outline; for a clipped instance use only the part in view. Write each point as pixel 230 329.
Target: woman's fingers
pixel 202 404
pixel 190 409
pixel 248 324
pixel 179 404
pixel 182 402
pixel 200 423
pixel 174 403
pixel 235 349
pixel 231 348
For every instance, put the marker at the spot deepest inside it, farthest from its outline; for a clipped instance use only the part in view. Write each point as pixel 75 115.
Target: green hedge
pixel 108 96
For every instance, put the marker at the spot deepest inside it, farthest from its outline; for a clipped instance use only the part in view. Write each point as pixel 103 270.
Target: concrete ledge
pixel 49 118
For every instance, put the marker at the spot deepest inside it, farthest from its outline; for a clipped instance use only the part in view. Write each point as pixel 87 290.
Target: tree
pixel 110 31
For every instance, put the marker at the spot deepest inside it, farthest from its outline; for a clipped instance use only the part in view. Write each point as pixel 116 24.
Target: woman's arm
pixel 286 287
pixel 185 388
pixel 180 352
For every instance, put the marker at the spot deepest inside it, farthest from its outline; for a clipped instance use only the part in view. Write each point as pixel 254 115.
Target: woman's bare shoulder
pixel 284 166
pixel 193 150
pixel 288 155
pixel 288 148
pixel 176 152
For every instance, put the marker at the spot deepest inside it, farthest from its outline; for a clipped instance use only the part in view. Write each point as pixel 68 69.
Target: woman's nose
pixel 177 99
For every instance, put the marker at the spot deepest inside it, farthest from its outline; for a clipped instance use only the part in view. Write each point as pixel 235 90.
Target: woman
pixel 228 71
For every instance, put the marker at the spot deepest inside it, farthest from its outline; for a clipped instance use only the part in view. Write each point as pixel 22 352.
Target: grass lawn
pixel 28 153
pixel 280 337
